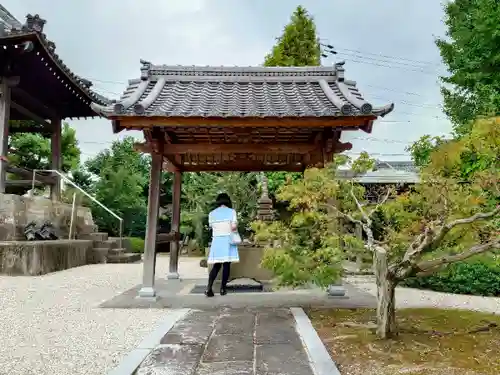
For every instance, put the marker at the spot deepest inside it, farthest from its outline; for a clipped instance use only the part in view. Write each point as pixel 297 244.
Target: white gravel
pixel 408 297
pixel 52 324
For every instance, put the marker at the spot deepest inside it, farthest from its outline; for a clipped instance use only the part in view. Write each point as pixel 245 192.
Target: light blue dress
pixel 222 250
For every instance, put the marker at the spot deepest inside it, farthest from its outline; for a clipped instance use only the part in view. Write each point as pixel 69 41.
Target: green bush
pixel 480 278
pixel 137 244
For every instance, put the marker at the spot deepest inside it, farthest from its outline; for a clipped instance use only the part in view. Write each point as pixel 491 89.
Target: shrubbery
pixel 136 244
pixel 481 278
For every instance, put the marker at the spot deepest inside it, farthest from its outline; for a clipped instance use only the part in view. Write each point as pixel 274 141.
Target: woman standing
pixel 224 249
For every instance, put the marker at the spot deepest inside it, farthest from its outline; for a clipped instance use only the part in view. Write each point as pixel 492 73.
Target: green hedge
pixel 137 244
pixel 478 278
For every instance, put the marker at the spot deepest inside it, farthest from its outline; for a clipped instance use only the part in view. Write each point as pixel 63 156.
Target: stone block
pixel 126 244
pixel 225 368
pixel 124 258
pixel 40 257
pixel 229 348
pixel 236 324
pixel 171 359
pixel 97 255
pixel 249 265
pixel 17 211
pixel 281 359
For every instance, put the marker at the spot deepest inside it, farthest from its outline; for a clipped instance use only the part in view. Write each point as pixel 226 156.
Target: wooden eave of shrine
pixel 242 118
pixel 43 88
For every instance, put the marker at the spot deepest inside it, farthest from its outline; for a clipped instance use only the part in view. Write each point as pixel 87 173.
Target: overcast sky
pixel 388 46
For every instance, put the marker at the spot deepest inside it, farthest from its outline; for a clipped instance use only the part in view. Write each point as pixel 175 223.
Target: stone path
pixel 230 342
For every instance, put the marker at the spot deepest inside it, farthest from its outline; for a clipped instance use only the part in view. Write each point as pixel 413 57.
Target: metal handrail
pixel 67 180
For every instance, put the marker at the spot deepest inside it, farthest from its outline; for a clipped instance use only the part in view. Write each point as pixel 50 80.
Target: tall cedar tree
pixel 299 43
pixel 471 54
pixel 297 46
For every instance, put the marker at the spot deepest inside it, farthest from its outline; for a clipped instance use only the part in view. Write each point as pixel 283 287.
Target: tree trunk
pixel 386 309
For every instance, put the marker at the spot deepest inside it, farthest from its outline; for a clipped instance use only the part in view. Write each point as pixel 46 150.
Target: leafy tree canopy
pixel 470 51
pixel 33 150
pixel 122 180
pixel 442 220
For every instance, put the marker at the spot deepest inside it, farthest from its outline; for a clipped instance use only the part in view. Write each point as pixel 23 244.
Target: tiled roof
pixel 385 172
pixel 192 91
pixel 31 31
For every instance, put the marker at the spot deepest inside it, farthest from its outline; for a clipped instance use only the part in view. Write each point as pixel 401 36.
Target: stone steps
pixel 124 258
pixel 107 249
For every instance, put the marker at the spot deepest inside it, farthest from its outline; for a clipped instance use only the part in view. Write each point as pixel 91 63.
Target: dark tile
pixel 284 359
pixel 225 368
pixel 235 323
pixel 171 359
pixel 223 348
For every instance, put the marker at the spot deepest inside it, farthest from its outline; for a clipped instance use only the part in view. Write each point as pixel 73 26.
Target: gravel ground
pixel 51 324
pixel 408 297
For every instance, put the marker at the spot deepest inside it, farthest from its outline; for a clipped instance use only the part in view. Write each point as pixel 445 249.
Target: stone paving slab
pixel 230 342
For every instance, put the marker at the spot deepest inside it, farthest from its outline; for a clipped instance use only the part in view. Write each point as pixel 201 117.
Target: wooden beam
pixel 26 112
pixel 4 132
pixel 304 122
pixel 231 148
pixel 243 167
pixel 26 98
pixel 175 225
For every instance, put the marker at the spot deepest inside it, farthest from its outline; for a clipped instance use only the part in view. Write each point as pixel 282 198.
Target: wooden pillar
pixel 173 272
pixel 149 260
pixel 4 132
pixel 55 145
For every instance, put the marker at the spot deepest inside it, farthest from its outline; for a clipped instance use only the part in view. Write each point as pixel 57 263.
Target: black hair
pixel 223 200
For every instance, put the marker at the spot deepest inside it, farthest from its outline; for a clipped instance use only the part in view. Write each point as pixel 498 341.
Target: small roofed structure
pixel 36 85
pixel 235 119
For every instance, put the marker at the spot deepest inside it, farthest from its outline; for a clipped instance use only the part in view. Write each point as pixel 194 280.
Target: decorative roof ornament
pixel 146 66
pixel 339 70
pixel 34 23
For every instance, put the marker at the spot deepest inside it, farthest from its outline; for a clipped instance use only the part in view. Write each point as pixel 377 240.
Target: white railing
pixel 67 180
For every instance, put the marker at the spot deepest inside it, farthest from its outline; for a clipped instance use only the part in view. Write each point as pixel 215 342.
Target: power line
pixel 392 57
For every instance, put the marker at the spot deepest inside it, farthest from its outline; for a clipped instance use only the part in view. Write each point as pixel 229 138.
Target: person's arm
pixel 234 222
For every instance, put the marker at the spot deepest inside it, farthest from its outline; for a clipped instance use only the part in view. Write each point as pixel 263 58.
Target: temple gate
pixel 197 119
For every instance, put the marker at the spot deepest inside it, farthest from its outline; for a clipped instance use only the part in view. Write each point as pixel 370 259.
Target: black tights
pixel 226 269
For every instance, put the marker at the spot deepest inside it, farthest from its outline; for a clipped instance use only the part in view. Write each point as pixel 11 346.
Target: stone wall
pixel 31 258
pixel 16 211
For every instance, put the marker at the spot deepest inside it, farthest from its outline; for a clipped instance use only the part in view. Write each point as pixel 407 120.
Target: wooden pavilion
pixel 39 90
pixel 234 119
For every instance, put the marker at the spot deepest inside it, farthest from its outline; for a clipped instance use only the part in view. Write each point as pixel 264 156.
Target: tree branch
pixel 343 214
pixel 358 204
pixel 430 265
pixel 430 238
pixel 382 201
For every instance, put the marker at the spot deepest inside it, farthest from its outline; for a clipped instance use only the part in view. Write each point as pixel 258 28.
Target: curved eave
pixel 348 100
pixel 78 84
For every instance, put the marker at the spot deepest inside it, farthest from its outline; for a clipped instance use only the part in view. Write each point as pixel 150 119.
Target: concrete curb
pixel 132 361
pixel 321 362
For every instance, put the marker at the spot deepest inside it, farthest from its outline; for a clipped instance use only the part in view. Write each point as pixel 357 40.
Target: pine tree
pixel 299 43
